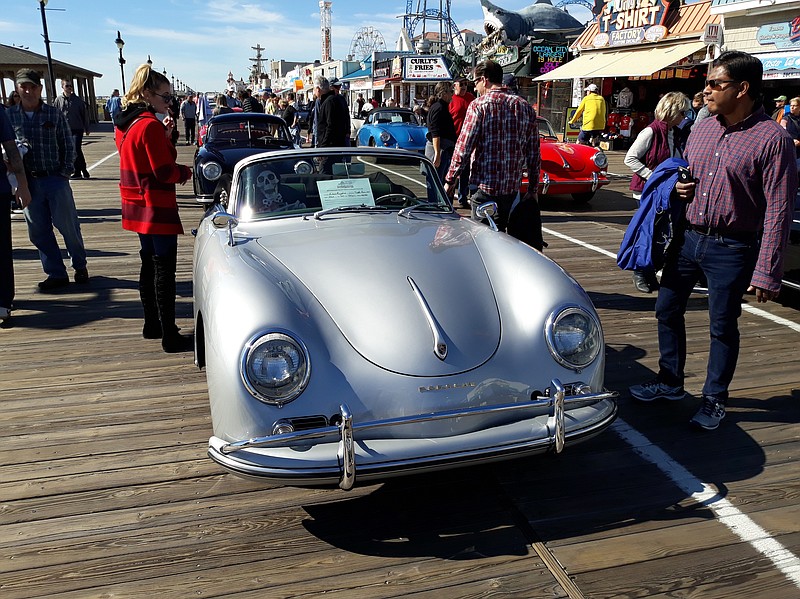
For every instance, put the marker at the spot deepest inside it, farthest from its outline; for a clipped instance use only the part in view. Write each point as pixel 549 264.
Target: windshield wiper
pixel 354 208
pixel 425 206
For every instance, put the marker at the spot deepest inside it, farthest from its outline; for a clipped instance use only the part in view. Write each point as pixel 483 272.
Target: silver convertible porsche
pixel 353 326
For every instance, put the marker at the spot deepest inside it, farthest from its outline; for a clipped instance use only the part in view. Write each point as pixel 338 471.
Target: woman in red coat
pixel 147 177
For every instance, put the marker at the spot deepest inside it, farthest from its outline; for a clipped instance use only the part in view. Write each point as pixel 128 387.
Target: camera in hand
pixel 684 175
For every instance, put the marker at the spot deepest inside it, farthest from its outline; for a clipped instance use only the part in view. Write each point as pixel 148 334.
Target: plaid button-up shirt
pixel 746 182
pixel 501 136
pixel 51 147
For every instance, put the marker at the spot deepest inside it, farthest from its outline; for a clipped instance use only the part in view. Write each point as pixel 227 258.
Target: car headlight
pixel 212 171
pixel 574 337
pixel 385 137
pixel 275 368
pixel 600 160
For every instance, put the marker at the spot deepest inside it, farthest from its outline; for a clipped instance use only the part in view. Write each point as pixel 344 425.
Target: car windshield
pixel 248 133
pixel 545 129
pixel 308 183
pixel 393 116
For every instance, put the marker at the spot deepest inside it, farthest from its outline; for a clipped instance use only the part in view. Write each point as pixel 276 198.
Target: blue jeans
pixel 728 265
pixel 53 205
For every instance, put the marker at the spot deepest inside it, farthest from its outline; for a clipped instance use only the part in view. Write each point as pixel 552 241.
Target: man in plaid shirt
pixel 738 214
pixel 48 165
pixel 501 137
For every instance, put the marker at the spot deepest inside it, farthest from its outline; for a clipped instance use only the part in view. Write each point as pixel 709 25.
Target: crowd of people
pixel 724 171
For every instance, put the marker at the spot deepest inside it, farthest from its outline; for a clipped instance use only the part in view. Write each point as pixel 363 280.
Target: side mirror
pixel 223 220
pixel 486 211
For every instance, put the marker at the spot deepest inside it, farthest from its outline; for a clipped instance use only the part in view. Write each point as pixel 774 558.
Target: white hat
pixel 591 87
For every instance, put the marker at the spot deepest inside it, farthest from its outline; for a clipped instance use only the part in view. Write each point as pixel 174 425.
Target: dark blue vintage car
pixel 229 138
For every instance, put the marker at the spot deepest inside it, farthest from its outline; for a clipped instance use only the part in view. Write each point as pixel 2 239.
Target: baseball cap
pixel 781 99
pixel 591 87
pixel 28 76
pixel 335 82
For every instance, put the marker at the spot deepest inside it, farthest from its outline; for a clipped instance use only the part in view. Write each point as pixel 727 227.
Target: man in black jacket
pixel 332 119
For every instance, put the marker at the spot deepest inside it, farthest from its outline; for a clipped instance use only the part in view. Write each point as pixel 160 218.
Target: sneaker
pixel 53 283
pixel 710 413
pixel 81 275
pixel 4 313
pixel 655 389
pixel 640 282
pixel 76 176
pixel 86 175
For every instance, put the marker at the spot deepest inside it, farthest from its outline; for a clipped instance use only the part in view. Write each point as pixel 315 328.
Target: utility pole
pixel 51 75
pixel 257 70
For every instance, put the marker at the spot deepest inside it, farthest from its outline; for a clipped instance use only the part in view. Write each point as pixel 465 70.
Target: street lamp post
pixel 52 77
pixel 121 43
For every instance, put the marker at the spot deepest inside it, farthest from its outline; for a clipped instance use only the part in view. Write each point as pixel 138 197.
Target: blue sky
pixel 198 41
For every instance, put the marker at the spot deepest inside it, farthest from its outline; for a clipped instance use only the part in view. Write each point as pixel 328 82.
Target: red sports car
pixel 568 168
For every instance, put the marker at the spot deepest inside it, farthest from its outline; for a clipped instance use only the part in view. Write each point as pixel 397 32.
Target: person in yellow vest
pixel 593 110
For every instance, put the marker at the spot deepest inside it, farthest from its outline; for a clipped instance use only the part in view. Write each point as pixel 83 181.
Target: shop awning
pixel 630 63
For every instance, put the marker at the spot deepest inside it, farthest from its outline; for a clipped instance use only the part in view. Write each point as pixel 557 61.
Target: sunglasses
pixel 166 97
pixel 717 83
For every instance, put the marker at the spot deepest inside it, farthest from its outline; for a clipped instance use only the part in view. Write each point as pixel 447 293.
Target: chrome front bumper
pixel 347 430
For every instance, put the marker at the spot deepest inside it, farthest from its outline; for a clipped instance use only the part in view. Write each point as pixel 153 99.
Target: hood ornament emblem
pixel 439 338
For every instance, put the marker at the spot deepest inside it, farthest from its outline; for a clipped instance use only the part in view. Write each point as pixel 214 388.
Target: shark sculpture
pixel 512 28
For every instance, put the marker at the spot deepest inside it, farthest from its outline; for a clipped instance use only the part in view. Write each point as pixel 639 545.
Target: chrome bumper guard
pixel 346 429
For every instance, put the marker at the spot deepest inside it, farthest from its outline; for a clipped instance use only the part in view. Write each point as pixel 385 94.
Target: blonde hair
pixel 671 105
pixel 145 78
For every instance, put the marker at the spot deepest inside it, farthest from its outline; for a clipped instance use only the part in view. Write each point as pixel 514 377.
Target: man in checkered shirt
pixel 501 137
pixel 738 215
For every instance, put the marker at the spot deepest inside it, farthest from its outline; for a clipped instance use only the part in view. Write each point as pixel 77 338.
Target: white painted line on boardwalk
pixel 588 246
pixel 388 170
pixel 738 523
pixel 101 161
pixel 776 319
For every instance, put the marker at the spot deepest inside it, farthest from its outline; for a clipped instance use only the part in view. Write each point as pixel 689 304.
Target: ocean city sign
pixel 626 22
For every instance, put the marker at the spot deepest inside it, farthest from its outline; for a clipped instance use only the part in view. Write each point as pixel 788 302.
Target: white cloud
pixel 241 13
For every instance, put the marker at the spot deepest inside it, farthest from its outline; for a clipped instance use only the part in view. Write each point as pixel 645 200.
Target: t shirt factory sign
pixel 626 22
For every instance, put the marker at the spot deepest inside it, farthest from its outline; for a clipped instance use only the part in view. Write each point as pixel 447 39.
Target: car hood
pixel 564 156
pixel 230 155
pixel 395 287
pixel 405 133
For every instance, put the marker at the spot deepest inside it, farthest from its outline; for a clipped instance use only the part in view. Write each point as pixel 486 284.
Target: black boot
pixel 171 340
pixel 147 293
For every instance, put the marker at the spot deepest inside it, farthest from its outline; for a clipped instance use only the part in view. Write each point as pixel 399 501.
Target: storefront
pixel 421 73
pixel 771 33
pixel 358 83
pixel 634 53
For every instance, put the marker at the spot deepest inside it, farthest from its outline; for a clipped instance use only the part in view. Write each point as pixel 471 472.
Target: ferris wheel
pixel 366 41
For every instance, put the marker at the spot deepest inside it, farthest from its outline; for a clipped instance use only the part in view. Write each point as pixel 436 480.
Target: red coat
pixel 147 177
pixel 458 109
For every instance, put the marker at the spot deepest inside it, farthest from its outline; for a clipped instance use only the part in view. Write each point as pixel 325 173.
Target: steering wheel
pixel 397 199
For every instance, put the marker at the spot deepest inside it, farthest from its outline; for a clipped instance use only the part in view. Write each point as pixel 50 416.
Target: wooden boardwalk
pixel 106 491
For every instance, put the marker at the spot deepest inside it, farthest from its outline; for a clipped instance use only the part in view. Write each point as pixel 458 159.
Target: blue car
pixel 392 128
pixel 227 139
